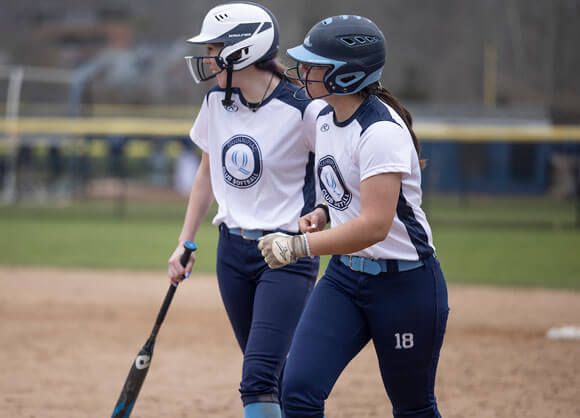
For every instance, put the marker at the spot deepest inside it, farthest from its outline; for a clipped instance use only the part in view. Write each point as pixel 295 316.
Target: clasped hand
pixel 279 249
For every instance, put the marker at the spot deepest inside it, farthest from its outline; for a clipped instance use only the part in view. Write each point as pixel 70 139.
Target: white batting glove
pixel 280 249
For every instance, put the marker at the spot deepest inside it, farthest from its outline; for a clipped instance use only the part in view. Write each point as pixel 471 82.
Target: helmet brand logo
pixel 142 361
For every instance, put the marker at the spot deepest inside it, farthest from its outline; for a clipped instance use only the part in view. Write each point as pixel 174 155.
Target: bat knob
pixel 189 248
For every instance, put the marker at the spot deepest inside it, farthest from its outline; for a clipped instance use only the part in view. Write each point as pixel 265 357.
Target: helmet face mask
pixel 352 45
pixel 247 31
pixel 301 72
pixel 201 70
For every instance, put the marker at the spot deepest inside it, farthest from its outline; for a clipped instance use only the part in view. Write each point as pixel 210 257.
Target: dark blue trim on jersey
pixel 284 92
pixel 325 111
pixel 308 190
pixel 370 111
pixel 214 89
pixel 287 96
pixel 415 230
pixel 277 91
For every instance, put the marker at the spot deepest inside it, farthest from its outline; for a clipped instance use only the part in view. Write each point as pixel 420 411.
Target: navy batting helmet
pixel 354 48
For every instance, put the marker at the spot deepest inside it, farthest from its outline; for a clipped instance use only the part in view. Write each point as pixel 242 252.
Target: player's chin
pixel 314 91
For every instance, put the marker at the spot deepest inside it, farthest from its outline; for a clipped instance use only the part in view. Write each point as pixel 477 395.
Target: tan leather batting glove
pixel 280 249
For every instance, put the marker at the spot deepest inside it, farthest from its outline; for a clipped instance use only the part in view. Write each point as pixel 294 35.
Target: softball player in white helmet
pixel 258 149
pixel 384 282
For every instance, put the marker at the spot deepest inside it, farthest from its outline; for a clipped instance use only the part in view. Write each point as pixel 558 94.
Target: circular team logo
pixel 325 127
pixel 241 161
pixel 232 108
pixel 332 184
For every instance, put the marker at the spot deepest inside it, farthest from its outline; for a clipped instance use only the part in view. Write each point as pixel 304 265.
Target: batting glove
pixel 280 249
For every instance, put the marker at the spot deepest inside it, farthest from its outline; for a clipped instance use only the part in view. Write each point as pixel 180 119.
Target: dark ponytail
pixel 386 96
pixel 275 67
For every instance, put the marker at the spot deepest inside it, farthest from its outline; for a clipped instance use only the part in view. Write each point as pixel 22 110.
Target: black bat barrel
pixel 134 381
pixel 141 364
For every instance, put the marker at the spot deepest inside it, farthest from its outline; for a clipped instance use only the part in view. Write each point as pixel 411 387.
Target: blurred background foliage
pixel 95 159
pixel 437 52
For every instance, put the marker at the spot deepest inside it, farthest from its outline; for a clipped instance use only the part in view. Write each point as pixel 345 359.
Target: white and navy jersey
pixel 262 162
pixel 372 141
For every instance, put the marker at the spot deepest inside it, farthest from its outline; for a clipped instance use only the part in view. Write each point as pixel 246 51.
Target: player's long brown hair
pixel 274 66
pixel 389 98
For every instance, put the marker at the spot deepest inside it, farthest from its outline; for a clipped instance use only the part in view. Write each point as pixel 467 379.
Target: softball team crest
pixel 241 161
pixel 332 185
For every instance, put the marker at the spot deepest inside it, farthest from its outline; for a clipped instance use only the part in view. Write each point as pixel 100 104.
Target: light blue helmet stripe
pixel 372 77
pixel 301 54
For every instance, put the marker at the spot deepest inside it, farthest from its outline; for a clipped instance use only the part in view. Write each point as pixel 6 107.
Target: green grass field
pixel 510 243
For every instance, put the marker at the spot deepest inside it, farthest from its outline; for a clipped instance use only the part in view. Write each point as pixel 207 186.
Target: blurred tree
pixel 435 50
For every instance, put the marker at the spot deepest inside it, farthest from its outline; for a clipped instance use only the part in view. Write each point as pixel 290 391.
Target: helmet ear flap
pixel 329 80
pixel 350 79
pixel 236 56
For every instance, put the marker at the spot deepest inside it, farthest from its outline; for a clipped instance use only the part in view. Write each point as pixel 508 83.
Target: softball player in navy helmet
pixel 258 149
pixel 384 282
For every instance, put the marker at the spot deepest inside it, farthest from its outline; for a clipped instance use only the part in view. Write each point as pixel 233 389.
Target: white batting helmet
pixel 248 31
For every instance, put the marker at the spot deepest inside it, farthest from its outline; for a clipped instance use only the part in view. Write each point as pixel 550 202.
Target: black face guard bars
pixel 294 74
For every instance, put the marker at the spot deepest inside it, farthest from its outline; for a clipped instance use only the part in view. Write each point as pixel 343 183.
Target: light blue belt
pixel 366 265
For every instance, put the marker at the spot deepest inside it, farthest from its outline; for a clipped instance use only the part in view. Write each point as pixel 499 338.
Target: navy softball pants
pixel 263 306
pixel 405 314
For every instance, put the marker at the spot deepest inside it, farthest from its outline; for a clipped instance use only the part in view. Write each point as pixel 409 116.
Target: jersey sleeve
pixel 385 147
pixel 199 131
pixel 309 123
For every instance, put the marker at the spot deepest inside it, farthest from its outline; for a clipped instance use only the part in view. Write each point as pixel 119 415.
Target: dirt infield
pixel 67 339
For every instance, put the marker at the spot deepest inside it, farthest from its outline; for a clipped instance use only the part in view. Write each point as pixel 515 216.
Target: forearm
pixel 200 200
pixel 379 196
pixel 354 235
